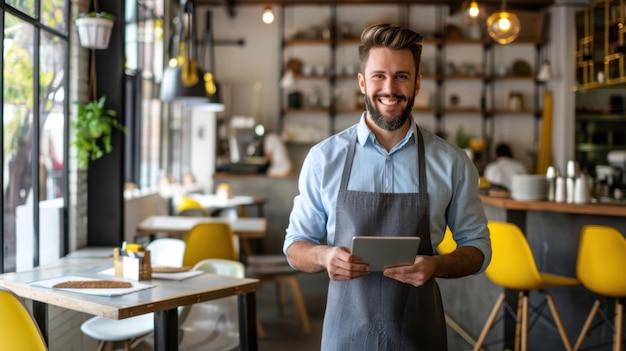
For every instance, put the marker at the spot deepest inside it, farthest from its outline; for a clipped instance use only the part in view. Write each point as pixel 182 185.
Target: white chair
pixel 212 325
pixel 131 331
pixel 166 252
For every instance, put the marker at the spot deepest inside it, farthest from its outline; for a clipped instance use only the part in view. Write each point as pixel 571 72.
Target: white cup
pixel 580 190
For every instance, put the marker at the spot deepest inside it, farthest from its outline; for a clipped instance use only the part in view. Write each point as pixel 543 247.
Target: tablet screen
pixel 385 251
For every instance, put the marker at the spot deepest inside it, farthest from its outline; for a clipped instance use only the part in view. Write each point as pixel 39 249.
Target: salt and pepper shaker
pixel 572 173
pixel 551 174
pixel 559 194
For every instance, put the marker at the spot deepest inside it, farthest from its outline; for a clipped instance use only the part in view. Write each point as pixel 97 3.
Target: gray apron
pixel 375 312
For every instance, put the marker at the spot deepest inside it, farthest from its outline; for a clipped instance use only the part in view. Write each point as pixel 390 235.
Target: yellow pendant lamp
pixel 503 26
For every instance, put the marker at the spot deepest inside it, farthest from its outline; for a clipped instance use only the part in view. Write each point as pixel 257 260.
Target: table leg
pixel 166 330
pixel 40 313
pixel 248 340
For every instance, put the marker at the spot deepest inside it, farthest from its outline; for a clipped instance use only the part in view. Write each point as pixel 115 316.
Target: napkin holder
pixel 132 265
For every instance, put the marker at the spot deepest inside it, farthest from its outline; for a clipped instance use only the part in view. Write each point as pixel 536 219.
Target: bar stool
pixel 513 267
pixel 600 268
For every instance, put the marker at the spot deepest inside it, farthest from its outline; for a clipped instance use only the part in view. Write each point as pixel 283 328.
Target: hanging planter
pixel 94 29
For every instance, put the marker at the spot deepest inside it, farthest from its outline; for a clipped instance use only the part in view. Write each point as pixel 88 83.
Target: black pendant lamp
pixel 183 79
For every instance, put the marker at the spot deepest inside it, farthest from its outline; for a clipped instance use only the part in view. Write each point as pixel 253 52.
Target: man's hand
pixel 417 274
pixel 336 260
pixel 341 265
pixel 463 261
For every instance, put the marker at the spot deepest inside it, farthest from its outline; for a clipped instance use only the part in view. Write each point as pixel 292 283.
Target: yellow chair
pixel 447 244
pixel 209 240
pixel 513 267
pixel 191 207
pixel 600 268
pixel 18 330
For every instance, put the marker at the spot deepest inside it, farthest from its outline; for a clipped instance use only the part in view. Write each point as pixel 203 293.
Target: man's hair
pixel 390 37
pixel 503 150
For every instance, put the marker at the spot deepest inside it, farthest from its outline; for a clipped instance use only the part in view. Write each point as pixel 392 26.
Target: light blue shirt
pixel 452 186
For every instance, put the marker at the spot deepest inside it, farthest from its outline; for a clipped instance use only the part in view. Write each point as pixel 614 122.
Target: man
pixel 500 172
pixel 395 180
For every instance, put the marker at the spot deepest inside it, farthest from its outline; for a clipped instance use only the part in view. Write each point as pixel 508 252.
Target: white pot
pixel 94 33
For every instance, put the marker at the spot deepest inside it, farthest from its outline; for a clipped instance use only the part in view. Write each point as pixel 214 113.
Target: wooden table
pixel 246 228
pixel 163 299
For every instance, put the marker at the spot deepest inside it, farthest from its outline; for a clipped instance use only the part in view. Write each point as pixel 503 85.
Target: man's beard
pixel 397 122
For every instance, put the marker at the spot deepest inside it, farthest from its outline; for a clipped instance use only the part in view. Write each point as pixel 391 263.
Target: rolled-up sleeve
pixel 466 215
pixel 308 218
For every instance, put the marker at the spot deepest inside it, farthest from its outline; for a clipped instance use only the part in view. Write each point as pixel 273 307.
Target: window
pixel 144 54
pixel 34 131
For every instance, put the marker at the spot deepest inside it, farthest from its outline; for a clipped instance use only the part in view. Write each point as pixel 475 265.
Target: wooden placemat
pixel 170 269
pixel 93 284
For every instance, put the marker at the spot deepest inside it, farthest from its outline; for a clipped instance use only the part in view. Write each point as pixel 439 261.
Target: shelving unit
pixel 444 72
pixel 601 77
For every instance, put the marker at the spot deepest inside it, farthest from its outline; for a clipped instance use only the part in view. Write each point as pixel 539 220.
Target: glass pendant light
pixel 473 13
pixel 503 26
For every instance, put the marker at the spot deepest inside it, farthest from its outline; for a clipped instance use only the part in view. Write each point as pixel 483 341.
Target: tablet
pixel 385 251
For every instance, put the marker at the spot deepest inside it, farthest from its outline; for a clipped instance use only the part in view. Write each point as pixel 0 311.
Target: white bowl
pixel 529 187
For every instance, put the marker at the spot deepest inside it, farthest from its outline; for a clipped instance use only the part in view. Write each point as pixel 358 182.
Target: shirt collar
pixel 364 133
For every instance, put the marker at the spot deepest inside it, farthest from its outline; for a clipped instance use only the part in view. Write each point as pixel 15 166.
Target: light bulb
pixel 268 16
pixel 504 24
pixel 473 11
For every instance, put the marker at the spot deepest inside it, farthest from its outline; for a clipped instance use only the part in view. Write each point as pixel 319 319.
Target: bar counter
pixel 601 209
pixel 553 231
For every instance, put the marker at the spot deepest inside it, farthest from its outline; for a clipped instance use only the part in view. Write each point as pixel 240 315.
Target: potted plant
pixel 94 29
pixel 92 129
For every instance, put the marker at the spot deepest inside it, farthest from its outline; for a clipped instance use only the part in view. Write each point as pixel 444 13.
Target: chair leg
pixel 298 300
pixel 559 323
pixel 259 328
pixel 100 345
pixel 619 312
pixel 587 325
pixel 489 323
pixel 281 297
pixel 524 318
pixel 518 322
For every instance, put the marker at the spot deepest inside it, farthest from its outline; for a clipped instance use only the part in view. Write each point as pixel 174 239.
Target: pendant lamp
pixel 183 79
pixel 503 26
pixel 473 13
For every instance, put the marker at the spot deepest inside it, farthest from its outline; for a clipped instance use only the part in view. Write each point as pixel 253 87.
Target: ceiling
pixel 527 5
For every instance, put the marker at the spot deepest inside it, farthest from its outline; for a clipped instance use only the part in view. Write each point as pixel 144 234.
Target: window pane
pixel 151 143
pixel 18 138
pixel 52 115
pixel 53 14
pixel 25 6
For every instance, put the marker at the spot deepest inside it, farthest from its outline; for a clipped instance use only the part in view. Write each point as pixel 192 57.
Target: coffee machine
pixel 617 180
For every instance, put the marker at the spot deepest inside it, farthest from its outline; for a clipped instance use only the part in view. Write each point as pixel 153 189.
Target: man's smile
pixel 390 100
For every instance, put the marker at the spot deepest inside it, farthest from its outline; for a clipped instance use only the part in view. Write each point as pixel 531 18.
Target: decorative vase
pixel 94 33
